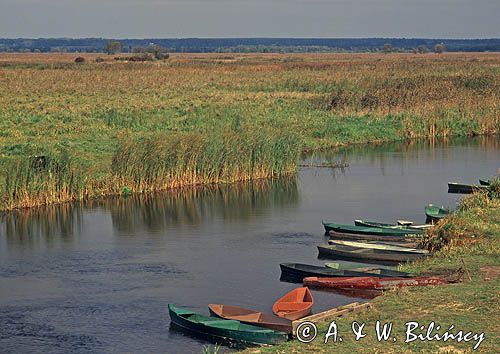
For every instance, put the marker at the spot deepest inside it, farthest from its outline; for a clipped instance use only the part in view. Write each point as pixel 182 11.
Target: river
pixel 97 277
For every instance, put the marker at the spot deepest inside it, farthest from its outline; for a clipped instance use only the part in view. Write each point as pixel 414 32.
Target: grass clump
pixel 164 161
pixel 39 180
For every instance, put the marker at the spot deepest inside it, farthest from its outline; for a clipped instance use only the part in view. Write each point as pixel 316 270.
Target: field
pixel 73 131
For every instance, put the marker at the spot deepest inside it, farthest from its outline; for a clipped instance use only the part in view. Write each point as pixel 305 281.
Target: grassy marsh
pixel 211 107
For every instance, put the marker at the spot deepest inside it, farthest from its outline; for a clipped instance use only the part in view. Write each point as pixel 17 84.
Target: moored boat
pixel 399 226
pixel 373 283
pixel 435 213
pixel 373 231
pixel 484 182
pixel 252 317
pixel 298 271
pixel 294 305
pixel 378 246
pixel 224 330
pixel 462 188
pixel 344 265
pixel 368 255
pixel 415 239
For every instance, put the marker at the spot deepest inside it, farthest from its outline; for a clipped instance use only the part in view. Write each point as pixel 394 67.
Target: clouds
pixel 250 18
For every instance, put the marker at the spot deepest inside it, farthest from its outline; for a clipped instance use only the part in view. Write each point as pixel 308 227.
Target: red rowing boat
pixel 373 283
pixel 294 305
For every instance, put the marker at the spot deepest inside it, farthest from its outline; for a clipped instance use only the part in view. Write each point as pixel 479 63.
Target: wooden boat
pixel 484 182
pixel 225 330
pixel 435 213
pixel 294 305
pixel 373 283
pixel 409 243
pixel 252 317
pixel 298 271
pixel 416 239
pixel 368 255
pixel 373 231
pixel 465 188
pixel 400 225
pixel 377 246
pixel 346 265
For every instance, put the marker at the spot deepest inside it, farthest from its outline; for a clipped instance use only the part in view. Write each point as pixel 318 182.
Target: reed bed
pixel 163 162
pixel 198 119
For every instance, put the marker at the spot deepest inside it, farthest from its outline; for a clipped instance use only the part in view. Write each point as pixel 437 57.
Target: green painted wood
pixel 364 230
pixel 227 330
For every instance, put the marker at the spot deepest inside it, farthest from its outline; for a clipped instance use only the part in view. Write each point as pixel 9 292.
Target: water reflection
pixel 233 203
pixel 47 225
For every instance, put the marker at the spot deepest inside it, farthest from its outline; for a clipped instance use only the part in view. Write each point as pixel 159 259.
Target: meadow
pixel 75 131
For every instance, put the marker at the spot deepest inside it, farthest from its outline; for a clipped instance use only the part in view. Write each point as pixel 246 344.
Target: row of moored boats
pixel 363 259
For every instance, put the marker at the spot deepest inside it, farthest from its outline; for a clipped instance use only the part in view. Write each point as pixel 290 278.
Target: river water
pixel 98 277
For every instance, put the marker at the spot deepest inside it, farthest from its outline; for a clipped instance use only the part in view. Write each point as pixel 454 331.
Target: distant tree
pixel 422 49
pixel 388 48
pixel 113 47
pixel 439 48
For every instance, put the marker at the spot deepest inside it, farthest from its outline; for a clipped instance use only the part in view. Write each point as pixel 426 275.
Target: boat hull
pixel 397 248
pixel 222 331
pixel 410 240
pixel 371 283
pixel 372 231
pixel 460 188
pixel 251 317
pixel 366 255
pixel 294 305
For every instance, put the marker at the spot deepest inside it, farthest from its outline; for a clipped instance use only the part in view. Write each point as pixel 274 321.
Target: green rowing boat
pixel 364 230
pixel 435 213
pixel 224 330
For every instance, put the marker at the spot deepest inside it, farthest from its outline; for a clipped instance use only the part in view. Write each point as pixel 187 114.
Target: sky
pixel 250 18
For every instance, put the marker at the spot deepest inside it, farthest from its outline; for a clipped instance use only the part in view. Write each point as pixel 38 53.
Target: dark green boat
pixel 364 230
pixel 484 182
pixel 367 255
pixel 435 213
pixel 461 188
pixel 224 330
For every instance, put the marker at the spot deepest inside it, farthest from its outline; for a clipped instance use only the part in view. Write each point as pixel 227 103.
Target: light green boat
pixel 346 265
pixel 377 246
pixel 435 213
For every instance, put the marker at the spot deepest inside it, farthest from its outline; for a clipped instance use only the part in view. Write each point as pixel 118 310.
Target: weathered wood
pixel 332 313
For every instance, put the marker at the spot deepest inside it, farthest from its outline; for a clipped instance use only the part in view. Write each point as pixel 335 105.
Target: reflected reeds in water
pixel 193 206
pixel 47 225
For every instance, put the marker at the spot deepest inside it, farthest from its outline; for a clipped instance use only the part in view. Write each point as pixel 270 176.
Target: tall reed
pixel 40 180
pixel 163 161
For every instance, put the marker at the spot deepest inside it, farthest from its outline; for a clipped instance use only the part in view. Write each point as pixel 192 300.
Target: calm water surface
pixel 98 277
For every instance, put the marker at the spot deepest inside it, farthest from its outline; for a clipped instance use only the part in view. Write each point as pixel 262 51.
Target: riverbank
pixel 79 131
pixel 470 237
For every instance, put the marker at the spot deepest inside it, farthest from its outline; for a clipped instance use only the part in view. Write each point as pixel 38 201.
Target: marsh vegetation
pixel 112 127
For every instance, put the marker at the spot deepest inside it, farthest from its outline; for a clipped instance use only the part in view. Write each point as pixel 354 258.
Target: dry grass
pixel 48 102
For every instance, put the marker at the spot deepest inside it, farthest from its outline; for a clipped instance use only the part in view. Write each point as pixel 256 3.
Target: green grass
pixel 264 107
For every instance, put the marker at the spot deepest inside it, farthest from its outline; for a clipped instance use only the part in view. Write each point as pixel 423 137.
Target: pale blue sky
pixel 252 18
